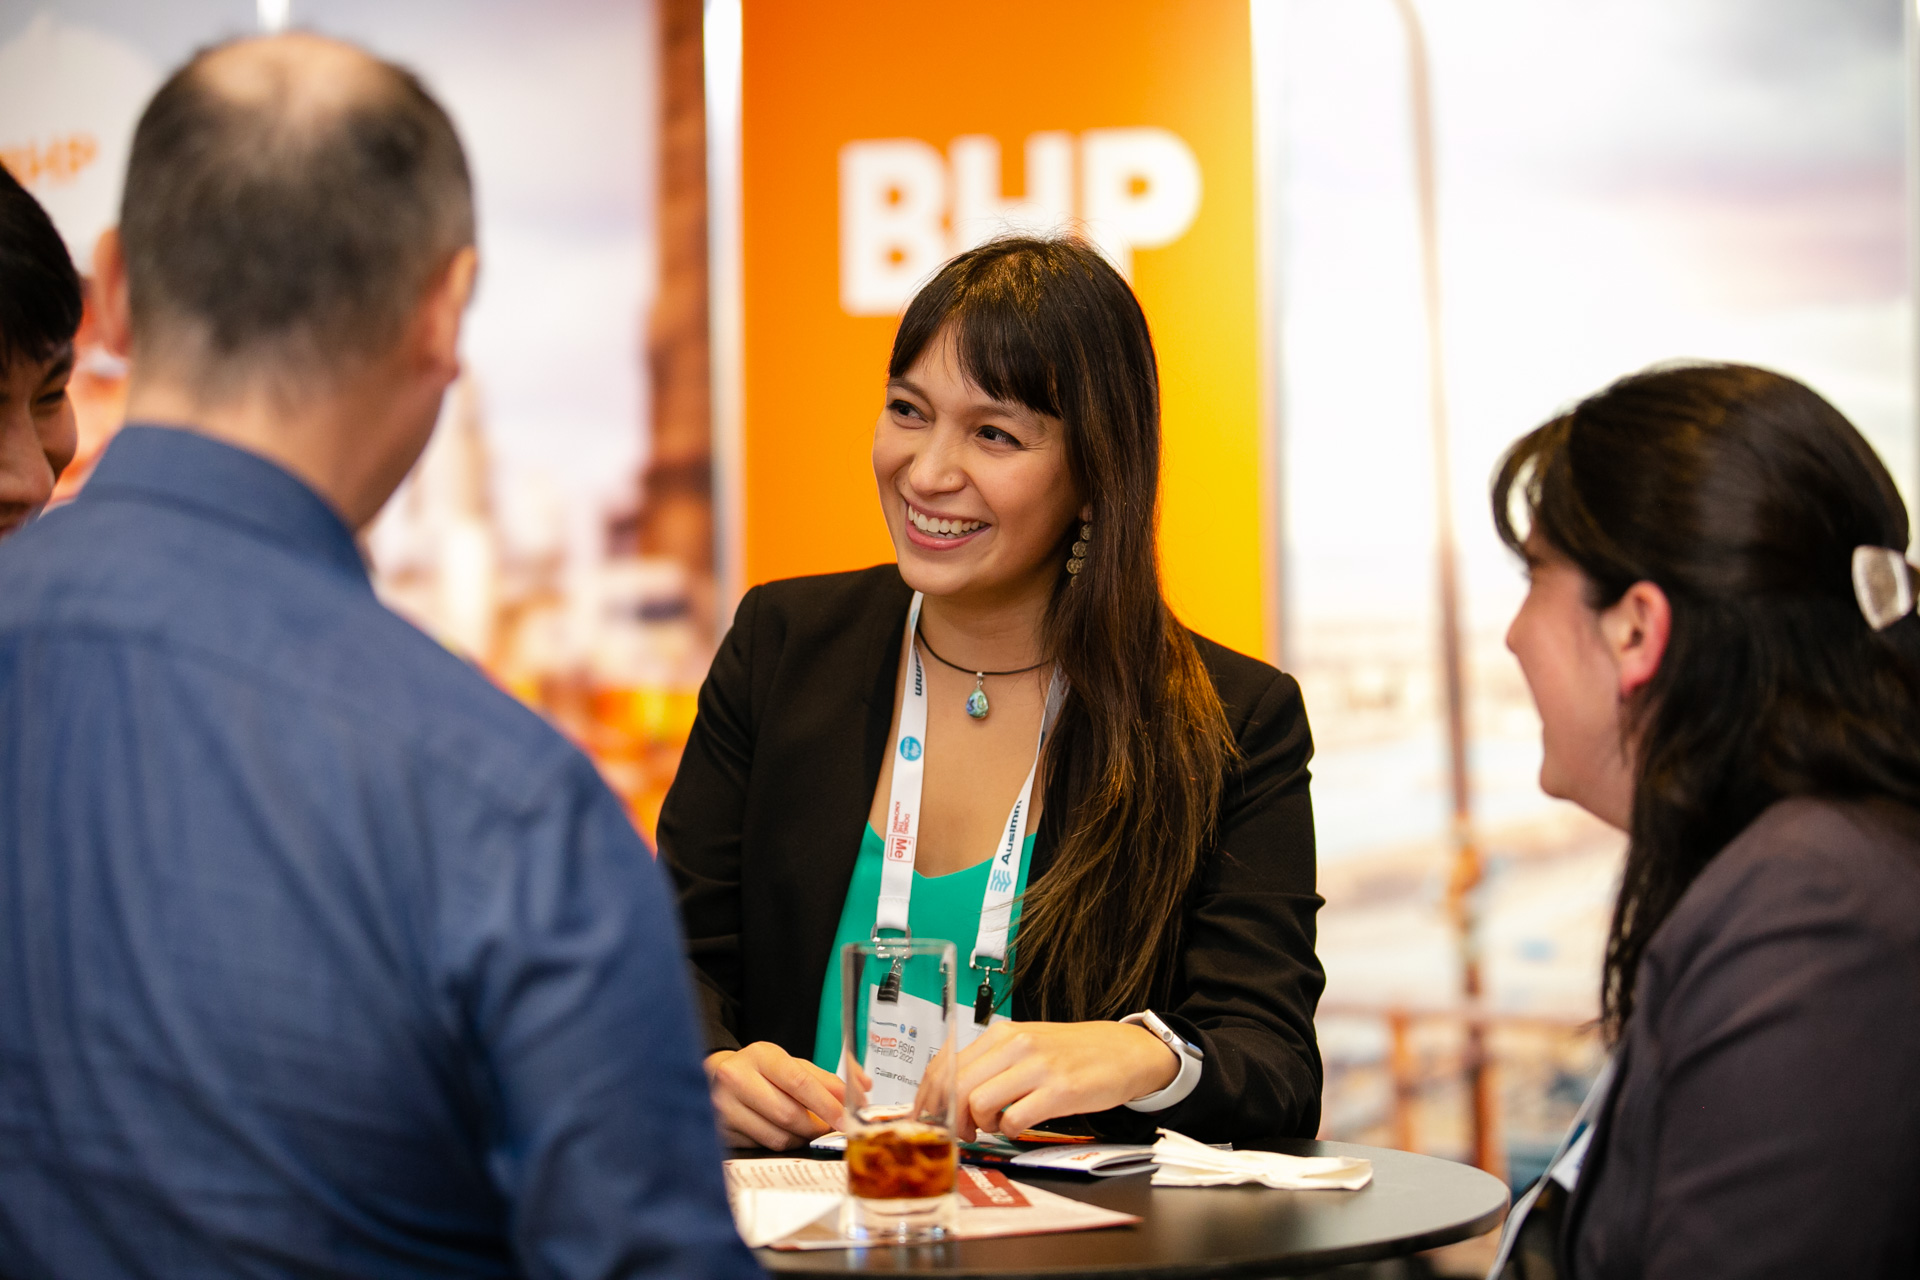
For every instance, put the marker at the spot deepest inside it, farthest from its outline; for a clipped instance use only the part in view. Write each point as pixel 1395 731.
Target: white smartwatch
pixel 1191 1061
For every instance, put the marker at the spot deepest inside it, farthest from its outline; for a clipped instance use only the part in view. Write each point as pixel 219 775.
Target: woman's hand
pixel 766 1097
pixel 1021 1074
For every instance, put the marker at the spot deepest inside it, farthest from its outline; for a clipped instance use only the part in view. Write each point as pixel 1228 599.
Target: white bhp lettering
pixel 905 209
pixel 1140 188
pixel 892 195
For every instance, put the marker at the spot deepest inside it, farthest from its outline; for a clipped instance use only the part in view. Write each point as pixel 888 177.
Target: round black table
pixel 1414 1202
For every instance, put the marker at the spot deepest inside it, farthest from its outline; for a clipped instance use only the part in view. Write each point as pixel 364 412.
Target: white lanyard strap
pixel 903 801
pixel 1572 1150
pixel 996 904
pixel 903 817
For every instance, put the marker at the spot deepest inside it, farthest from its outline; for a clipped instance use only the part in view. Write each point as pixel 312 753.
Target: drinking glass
pixel 898 1045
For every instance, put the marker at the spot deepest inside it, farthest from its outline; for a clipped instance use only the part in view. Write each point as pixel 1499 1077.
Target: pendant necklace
pixel 977 700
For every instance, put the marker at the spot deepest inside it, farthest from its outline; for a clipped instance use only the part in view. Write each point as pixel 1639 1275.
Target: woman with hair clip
pixel 1016 685
pixel 1719 636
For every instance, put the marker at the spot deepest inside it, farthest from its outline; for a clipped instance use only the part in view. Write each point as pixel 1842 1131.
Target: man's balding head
pixel 287 200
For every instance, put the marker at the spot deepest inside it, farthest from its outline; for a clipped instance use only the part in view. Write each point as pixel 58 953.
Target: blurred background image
pixel 1607 186
pixel 1616 185
pixel 519 540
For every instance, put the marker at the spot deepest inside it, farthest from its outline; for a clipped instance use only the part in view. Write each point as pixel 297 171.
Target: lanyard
pixel 903 827
pixel 1564 1167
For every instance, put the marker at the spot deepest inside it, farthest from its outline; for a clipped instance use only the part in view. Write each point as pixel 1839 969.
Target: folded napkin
pixel 763 1215
pixel 1179 1161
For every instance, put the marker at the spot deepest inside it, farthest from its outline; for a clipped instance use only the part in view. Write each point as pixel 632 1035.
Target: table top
pixel 1414 1202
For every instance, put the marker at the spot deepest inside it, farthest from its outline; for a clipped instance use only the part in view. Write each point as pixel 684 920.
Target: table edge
pixel 1235 1269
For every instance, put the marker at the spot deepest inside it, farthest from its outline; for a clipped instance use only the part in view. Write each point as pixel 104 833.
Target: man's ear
pixel 112 312
pixel 1635 628
pixel 444 305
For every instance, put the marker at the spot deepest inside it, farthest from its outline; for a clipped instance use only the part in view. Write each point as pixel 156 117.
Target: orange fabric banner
pixel 880 138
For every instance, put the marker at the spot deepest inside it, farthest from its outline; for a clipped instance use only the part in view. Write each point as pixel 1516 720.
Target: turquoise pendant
pixel 977 700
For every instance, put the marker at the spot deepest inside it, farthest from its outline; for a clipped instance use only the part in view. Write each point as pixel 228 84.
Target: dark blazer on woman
pixel 765 818
pixel 1765 1115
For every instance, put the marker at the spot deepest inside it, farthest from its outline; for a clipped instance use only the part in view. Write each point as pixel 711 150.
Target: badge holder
pixel 888 992
pixel 983 999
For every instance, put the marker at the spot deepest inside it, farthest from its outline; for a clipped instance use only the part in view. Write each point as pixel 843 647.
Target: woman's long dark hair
pixel 1142 745
pixel 1741 494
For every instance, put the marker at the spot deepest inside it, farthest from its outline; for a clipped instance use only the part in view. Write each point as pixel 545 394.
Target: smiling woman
pixel 39 314
pixel 1720 639
pixel 1007 740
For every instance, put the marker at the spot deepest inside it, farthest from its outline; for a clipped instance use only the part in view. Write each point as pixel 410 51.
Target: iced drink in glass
pixel 899 1032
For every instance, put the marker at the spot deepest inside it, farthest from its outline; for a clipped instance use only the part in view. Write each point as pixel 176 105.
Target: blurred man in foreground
pixel 40 309
pixel 318 956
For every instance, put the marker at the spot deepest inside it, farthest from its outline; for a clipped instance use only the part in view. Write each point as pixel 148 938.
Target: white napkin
pixel 762 1215
pixel 1179 1161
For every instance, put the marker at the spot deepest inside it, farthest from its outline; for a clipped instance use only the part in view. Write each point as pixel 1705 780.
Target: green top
pixel 945 907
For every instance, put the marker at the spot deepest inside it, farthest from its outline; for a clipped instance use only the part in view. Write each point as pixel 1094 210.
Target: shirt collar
pixel 218 481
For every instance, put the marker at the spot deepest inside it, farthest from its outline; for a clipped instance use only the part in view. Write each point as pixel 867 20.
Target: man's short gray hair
pixel 287 201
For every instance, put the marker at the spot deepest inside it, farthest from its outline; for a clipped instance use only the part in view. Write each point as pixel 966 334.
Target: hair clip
pixel 1883 585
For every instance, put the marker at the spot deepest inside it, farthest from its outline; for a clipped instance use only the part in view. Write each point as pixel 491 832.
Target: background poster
pixel 513 541
pixel 1130 120
pixel 1618 184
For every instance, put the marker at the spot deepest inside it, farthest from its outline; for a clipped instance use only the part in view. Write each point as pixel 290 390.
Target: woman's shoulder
pixel 1869 848
pixel 1845 870
pixel 1255 694
pixel 832 604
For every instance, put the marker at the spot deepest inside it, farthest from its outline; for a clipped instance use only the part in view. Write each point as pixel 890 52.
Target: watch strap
pixel 1192 1061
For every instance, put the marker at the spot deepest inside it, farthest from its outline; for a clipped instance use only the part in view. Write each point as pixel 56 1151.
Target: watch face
pixel 1168 1036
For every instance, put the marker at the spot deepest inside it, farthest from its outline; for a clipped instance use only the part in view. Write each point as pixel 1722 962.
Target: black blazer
pixel 1764 1120
pixel 764 821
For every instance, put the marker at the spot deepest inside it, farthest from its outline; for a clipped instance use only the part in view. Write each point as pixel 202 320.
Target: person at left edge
pixel 40 307
pixel 320 957
pixel 1150 930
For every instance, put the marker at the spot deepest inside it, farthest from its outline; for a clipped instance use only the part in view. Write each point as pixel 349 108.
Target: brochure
pixel 1045 1152
pixel 1094 1159
pixel 794 1203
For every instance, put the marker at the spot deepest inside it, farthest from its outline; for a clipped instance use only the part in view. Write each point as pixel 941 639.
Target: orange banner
pixel 880 138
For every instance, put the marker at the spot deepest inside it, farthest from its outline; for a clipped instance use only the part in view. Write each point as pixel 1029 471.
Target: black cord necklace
pixel 977 700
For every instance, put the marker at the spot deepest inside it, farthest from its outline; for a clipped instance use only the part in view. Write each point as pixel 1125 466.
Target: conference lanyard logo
pixel 1002 878
pixel 910 748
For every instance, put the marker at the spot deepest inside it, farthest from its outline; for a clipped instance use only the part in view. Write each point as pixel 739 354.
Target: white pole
pixel 727 305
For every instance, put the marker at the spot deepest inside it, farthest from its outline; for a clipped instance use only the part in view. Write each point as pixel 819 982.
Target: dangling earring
pixel 1078 560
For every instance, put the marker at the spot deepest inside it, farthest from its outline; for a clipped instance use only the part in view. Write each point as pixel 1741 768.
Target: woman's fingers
pixel 770 1098
pixel 741 1125
pixel 1032 1110
pixel 732 1137
pixel 1022 1074
pixel 931 1096
pixel 736 1108
pixel 765 1094
pixel 988 1100
pixel 996 1050
pixel 813 1089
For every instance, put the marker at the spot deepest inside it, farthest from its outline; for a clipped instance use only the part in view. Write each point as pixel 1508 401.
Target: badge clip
pixel 983 1003
pixel 983 999
pixel 889 990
